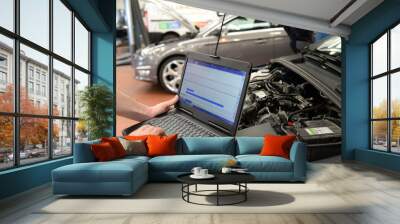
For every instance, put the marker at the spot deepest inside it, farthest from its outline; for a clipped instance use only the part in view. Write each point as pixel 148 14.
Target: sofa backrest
pixel 190 146
pixel 83 153
pixel 249 145
pixel 206 145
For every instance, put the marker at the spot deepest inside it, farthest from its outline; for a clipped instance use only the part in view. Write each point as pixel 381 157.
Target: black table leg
pixel 195 188
pixel 245 193
pixel 217 194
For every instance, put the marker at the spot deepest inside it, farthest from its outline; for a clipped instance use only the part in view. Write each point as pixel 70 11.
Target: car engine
pixel 291 105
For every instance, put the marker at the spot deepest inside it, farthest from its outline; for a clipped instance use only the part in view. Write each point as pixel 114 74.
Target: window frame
pixel 16 113
pixel 388 74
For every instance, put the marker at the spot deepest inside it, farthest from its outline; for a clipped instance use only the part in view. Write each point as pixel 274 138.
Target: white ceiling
pixel 317 15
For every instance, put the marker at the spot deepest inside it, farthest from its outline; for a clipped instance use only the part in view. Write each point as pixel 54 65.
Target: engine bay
pixel 291 105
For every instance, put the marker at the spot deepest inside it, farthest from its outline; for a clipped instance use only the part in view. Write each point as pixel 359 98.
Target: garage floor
pixel 144 92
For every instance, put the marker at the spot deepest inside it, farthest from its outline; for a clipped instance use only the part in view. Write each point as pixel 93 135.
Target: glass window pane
pixel 379 97
pixel 62 89
pixel 379 56
pixel 33 140
pixel 395 95
pixel 81 131
pixel 6 142
pixel 34 80
pixel 6 74
pixel 395 47
pixel 81 45
pixel 62 138
pixel 379 135
pixel 35 21
pixel 395 136
pixel 81 82
pixel 7 14
pixel 62 29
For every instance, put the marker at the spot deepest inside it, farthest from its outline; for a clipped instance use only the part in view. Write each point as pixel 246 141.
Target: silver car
pixel 242 38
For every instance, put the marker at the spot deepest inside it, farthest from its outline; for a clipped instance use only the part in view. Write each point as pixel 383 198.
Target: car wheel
pixel 171 73
pixel 170 36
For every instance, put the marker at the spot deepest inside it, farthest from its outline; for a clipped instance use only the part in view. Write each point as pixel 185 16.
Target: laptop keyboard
pixel 178 124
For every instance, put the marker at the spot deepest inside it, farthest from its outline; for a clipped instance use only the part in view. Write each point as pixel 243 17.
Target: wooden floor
pixel 378 189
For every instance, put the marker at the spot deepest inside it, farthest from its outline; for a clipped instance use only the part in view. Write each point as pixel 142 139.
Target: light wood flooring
pixel 378 189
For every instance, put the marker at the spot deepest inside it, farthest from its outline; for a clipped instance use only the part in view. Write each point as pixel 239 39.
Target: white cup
pixel 203 172
pixel 226 170
pixel 196 171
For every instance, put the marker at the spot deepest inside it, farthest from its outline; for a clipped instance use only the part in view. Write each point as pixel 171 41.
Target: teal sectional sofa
pixel 125 176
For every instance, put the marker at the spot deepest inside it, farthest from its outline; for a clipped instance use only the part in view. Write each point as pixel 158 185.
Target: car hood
pixel 325 80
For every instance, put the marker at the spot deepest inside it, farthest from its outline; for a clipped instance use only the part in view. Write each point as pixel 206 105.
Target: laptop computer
pixel 211 97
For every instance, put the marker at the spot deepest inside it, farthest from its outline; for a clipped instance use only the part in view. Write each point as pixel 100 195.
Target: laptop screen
pixel 213 89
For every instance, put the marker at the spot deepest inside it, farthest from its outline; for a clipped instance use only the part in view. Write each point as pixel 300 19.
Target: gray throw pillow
pixel 136 147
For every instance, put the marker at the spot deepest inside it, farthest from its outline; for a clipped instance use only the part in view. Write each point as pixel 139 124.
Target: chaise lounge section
pixel 125 176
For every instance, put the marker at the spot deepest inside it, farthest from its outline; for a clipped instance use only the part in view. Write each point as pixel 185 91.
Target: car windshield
pixel 331 45
pixel 211 25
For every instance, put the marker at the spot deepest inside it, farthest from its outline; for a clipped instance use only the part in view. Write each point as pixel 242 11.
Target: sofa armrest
pixel 298 157
pixel 83 152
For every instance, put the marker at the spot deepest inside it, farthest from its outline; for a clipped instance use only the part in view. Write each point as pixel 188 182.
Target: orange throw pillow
pixel 161 145
pixel 277 145
pixel 116 145
pixel 103 152
pixel 136 138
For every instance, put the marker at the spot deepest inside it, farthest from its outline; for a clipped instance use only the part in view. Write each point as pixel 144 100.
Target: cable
pixel 219 36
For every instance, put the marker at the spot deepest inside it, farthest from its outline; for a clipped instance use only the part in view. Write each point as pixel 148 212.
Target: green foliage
pixel 97 103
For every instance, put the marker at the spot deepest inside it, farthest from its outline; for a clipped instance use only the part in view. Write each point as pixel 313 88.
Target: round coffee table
pixel 238 179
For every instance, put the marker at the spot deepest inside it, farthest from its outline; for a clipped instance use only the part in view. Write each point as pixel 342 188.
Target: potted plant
pixel 96 103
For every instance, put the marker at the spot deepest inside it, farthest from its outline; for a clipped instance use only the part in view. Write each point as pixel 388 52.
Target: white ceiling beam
pixel 270 15
pixel 347 12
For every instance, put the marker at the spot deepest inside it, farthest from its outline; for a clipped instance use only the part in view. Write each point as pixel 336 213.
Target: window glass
pixel 6 74
pixel 379 98
pixel 81 131
pixel 62 29
pixel 395 95
pixel 62 138
pixel 7 14
pixel 34 21
pixel 81 82
pixel 6 142
pixel 379 56
pixel 33 140
pixel 395 47
pixel 245 24
pixel 379 135
pixel 62 89
pixel 395 136
pixel 81 45
pixel 39 62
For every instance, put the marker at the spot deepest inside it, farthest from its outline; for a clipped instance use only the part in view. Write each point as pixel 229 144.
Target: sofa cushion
pixel 206 145
pixel 161 145
pixel 257 163
pixel 185 163
pixel 116 145
pixel 134 147
pixel 249 145
pixel 103 152
pixel 112 171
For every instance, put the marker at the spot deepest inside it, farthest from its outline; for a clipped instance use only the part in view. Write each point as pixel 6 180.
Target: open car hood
pixel 324 79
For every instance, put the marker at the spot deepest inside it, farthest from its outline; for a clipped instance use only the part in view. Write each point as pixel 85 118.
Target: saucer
pixel 208 176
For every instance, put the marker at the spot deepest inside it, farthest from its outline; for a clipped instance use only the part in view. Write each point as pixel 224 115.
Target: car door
pixel 281 41
pixel 247 39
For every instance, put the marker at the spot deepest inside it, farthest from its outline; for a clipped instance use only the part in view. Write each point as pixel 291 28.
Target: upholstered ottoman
pixel 118 177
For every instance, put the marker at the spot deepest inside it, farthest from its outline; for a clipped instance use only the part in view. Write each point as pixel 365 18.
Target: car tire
pixel 170 36
pixel 170 73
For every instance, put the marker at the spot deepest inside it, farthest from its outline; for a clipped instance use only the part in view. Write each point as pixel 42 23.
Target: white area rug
pixel 166 198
